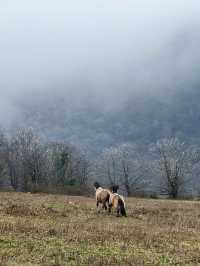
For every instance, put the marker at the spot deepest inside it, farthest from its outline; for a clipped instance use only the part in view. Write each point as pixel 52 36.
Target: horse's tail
pixel 121 207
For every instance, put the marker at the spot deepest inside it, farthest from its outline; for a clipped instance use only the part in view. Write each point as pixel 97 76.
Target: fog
pixel 95 52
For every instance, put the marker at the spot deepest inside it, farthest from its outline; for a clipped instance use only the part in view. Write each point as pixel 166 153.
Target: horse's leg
pixel 109 207
pixel 97 204
pixel 104 206
pixel 118 211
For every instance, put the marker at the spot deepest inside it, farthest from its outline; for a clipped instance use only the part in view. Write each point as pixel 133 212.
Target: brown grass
pixel 41 229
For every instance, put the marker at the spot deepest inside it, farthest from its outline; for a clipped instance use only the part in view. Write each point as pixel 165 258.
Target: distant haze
pixel 97 53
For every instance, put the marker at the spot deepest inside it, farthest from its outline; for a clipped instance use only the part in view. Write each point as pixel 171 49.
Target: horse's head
pixel 114 188
pixel 96 185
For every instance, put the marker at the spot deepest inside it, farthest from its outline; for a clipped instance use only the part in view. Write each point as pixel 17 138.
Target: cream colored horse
pixel 102 196
pixel 117 202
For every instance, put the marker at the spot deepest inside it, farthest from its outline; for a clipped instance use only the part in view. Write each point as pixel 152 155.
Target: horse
pixel 117 201
pixel 102 196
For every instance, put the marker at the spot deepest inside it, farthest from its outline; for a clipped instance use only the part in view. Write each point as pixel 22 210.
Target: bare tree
pixel 134 168
pixel 82 166
pixel 175 161
pixel 126 166
pixel 4 148
pixel 107 165
pixel 26 159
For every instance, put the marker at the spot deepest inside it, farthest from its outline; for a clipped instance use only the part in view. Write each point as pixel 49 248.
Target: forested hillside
pixel 140 120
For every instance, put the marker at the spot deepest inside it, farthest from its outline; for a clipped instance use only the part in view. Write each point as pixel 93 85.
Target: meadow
pixel 55 230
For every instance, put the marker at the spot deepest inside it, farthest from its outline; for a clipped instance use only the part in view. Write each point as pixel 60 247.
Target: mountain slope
pixel 141 119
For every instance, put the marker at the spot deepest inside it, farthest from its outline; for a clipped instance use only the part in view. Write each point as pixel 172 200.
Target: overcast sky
pixel 107 49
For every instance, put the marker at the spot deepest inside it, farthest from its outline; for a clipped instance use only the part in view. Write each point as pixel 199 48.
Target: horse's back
pixel 115 199
pixel 103 196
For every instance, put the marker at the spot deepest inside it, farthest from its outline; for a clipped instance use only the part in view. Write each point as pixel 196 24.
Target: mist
pixel 98 53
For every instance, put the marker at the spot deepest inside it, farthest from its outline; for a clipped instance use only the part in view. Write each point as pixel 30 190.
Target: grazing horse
pixel 117 201
pixel 102 196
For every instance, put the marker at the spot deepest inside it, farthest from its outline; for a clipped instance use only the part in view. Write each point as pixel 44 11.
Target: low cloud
pixel 98 53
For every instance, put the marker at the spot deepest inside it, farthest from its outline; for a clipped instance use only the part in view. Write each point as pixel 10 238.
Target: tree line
pixel 30 162
pixel 168 167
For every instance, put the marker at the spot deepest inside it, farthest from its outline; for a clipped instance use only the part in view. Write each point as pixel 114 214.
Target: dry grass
pixel 39 229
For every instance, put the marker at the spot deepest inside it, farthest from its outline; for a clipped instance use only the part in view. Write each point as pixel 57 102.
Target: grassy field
pixel 39 229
